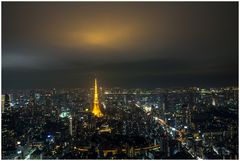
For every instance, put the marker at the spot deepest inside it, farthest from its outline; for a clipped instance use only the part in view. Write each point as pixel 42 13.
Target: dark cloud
pixel 155 44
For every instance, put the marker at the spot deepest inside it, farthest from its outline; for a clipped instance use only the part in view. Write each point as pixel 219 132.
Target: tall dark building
pixel 7 102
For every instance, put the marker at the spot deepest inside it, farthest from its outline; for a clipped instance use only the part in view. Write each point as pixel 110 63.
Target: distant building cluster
pixel 116 123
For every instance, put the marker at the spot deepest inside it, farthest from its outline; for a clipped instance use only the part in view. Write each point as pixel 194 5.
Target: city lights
pixel 128 118
pixel 120 81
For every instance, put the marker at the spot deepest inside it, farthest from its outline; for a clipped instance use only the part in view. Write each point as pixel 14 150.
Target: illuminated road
pixel 163 123
pixel 29 154
pixel 114 151
pixel 180 138
pixel 169 128
pixel 172 130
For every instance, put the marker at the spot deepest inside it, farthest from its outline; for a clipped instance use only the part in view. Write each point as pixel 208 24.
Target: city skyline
pixel 116 123
pixel 143 45
pixel 120 80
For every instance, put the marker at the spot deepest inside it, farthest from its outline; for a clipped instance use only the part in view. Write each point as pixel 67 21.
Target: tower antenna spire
pixel 96 109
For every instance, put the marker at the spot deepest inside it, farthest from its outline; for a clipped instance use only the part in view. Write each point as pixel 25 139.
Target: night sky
pixel 148 45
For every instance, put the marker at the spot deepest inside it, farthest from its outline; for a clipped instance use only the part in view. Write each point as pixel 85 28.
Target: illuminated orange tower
pixel 96 109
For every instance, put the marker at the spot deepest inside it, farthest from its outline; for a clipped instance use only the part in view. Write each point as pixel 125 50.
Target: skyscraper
pixel 70 125
pixel 7 100
pixel 3 103
pixel 96 109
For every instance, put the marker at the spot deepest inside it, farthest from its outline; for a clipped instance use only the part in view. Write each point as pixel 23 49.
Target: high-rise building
pixel 125 99
pixel 96 108
pixel 70 126
pixel 213 102
pixel 3 103
pixel 7 99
